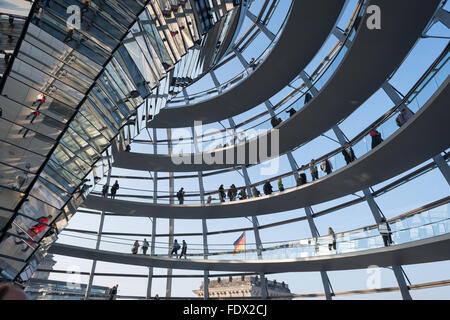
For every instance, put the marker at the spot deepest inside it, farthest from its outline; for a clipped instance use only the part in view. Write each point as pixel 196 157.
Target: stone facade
pixel 242 287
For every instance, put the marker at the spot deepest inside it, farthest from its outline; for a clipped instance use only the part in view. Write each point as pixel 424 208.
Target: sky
pixel 425 189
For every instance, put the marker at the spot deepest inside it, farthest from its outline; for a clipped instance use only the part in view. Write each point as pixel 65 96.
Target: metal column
pixel 241 58
pixel 400 276
pixel 259 246
pixel 255 222
pixel 152 252
pixel 171 221
pixel 323 274
pixel 294 167
pixel 339 34
pixel 289 155
pixel 443 167
pixel 397 99
pixel 378 215
pixel 307 80
pixel 308 210
pixel 205 255
pixel 215 80
pixel 260 26
pixel 97 245
pixel 204 223
pixel 155 200
pixel 269 107
pixel 444 17
pixel 292 162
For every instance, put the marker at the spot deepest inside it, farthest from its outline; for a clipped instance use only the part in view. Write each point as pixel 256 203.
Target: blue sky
pixel 429 187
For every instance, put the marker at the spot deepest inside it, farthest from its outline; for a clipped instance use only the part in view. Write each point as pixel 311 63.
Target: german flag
pixel 239 244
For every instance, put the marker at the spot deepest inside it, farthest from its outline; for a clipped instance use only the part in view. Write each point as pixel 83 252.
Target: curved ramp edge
pixel 421 251
pixel 307 28
pixel 373 52
pixel 412 144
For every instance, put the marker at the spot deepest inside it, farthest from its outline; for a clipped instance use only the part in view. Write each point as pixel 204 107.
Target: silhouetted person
pixel 291 112
pixel 135 248
pixel 232 192
pixel 255 192
pixel 183 250
pixel 332 243
pixel 313 170
pixel 175 248
pixel 403 117
pixel 242 194
pixel 105 190
pixel 348 153
pixel 308 97
pixel 376 138
pixel 222 194
pixel 180 196
pixel 84 188
pixel 145 246
pixel 114 189
pixel 33 115
pixel 267 188
pixel 252 64
pixel 326 166
pixel 302 176
pixel 385 231
pixel 113 292
pixel 275 121
pixel 37 103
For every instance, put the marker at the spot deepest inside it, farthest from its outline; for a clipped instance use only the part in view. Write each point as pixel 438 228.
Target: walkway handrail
pixel 434 69
pixel 421 249
pixel 240 76
pixel 266 226
pixel 316 76
pixel 342 238
pixel 258 60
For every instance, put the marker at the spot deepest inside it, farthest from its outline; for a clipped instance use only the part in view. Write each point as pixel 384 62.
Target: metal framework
pixel 132 122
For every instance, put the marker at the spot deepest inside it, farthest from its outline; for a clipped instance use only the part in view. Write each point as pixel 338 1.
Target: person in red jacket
pixel 376 137
pixel 35 230
pixel 39 101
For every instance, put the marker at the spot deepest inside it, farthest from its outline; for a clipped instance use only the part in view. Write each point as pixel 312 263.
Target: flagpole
pixel 245 250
